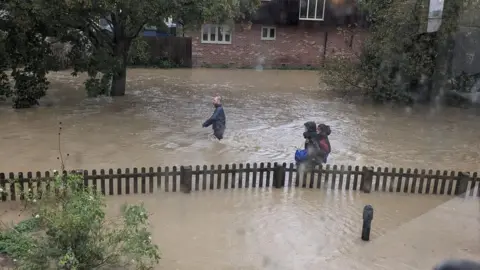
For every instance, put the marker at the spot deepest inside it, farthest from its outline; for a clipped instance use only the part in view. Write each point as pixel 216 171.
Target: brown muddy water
pixel 158 123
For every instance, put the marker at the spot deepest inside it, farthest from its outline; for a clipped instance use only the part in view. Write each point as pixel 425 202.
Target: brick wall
pixel 294 46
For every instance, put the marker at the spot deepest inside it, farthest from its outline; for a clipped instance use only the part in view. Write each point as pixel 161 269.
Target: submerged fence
pixel 262 175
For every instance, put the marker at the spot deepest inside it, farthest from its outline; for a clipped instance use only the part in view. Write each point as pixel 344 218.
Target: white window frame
pixel 216 36
pixel 316 18
pixel 268 33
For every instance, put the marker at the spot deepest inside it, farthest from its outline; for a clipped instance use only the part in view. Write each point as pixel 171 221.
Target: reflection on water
pixel 159 123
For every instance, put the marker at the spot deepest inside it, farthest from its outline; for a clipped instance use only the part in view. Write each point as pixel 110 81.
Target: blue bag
pixel 301 155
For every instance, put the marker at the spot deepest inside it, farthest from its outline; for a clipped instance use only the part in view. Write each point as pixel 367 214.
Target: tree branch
pixel 97 32
pixel 347 81
pixel 137 31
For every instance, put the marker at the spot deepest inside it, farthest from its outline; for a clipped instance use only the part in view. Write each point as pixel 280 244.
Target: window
pixel 312 10
pixel 219 34
pixel 268 33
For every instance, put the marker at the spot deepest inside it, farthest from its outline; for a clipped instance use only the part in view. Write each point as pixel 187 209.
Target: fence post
pixel 3 191
pixel 367 222
pixel 462 183
pixel 367 179
pixel 186 178
pixel 279 176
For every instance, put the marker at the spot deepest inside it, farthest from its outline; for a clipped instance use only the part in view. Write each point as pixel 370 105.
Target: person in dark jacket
pixel 217 120
pixel 311 142
pixel 323 132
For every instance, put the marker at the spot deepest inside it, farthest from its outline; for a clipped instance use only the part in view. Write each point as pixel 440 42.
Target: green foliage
pixel 194 13
pixel 139 52
pixel 29 87
pixel 126 19
pixel 140 56
pixel 69 230
pixel 25 51
pixel 97 87
pixel 29 29
pixel 13 241
pixel 5 87
pixel 398 62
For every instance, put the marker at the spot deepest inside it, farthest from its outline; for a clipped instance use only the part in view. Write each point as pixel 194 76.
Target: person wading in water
pixel 323 133
pixel 312 140
pixel 217 120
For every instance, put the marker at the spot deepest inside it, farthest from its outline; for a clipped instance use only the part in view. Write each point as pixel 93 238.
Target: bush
pixel 140 55
pixel 69 230
pixel 30 86
pixel 5 87
pixel 399 62
pixel 98 87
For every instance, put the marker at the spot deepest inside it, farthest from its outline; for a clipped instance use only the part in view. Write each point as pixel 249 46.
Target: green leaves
pixel 25 51
pixel 192 13
pixel 69 229
pixel 15 241
pixel 97 36
pixel 399 61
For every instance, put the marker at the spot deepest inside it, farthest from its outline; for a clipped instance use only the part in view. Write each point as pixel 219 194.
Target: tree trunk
pixel 119 79
pixel 445 48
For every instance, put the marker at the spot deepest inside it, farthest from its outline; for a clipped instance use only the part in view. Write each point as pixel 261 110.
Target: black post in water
pixel 367 222
pixel 453 264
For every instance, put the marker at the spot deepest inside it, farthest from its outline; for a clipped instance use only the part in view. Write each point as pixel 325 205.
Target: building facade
pixel 288 33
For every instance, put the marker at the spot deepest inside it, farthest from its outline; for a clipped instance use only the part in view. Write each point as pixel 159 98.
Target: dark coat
pixel 312 140
pixel 217 121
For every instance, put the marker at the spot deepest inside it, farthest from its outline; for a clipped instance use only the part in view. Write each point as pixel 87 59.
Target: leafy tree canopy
pixel 98 35
pixel 401 62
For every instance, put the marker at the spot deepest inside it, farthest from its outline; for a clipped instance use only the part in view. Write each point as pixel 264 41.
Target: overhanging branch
pixel 135 34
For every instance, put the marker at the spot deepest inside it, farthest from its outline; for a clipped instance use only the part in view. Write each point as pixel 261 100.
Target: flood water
pixel 297 229
pixel 159 121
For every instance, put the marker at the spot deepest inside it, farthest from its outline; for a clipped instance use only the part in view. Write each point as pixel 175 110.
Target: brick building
pixel 290 33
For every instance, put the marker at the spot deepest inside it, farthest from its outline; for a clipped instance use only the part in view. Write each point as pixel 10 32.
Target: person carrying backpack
pixel 312 140
pixel 317 144
pixel 323 132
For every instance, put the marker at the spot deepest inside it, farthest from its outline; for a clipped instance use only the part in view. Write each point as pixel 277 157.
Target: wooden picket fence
pixel 262 175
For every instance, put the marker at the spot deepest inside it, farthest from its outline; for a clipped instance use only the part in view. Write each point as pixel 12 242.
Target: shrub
pixel 400 61
pixel 140 55
pixel 69 230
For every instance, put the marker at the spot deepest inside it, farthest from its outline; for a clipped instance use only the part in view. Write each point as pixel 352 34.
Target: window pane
pixel 205 32
pixel 213 30
pixel 264 32
pixel 303 8
pixel 320 5
pixel 272 33
pixel 220 33
pixel 226 29
pixel 311 9
pixel 227 33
